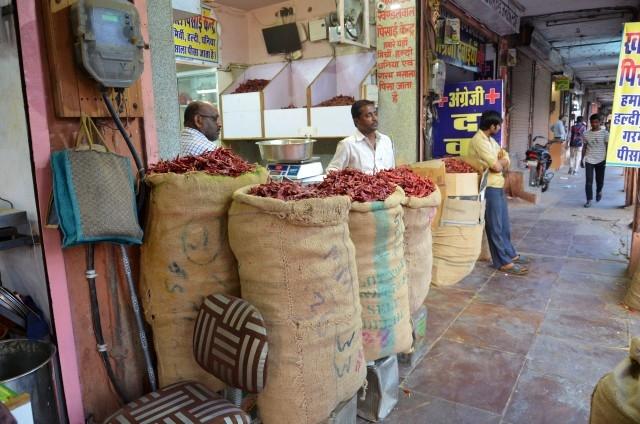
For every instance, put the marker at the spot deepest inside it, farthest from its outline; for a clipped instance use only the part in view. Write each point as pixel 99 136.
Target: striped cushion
pixel 180 403
pixel 230 342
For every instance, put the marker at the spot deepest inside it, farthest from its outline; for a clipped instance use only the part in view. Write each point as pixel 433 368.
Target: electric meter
pixel 108 41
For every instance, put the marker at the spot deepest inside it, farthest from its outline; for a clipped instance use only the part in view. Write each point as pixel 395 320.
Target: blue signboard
pixel 459 112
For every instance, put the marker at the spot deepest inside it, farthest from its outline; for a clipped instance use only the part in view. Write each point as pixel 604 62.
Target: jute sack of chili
pixel 455 252
pixel 420 207
pixel 377 231
pixel 185 254
pixel 615 398
pixel 297 265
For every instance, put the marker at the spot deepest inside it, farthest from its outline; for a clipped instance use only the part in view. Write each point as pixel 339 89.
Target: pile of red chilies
pixel 359 186
pixel 458 166
pixel 414 185
pixel 251 85
pixel 217 162
pixel 338 100
pixel 286 191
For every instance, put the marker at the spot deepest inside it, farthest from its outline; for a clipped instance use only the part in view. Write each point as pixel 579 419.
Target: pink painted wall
pixel 85 385
pixel 35 82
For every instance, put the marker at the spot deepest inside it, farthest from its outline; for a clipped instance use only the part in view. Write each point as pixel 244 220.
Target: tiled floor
pixel 512 350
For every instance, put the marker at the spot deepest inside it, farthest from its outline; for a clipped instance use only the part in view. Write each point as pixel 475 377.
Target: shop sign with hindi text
pixel 459 111
pixel 624 137
pixel 196 38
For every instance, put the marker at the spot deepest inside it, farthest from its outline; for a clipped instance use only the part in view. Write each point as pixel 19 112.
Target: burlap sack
pixel 485 252
pixel 185 257
pixel 297 266
pixel 377 232
pixel 455 252
pixel 418 241
pixel 632 298
pixel 616 398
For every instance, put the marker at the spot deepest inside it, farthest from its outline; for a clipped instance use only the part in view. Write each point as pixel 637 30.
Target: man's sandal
pixel 515 270
pixel 522 260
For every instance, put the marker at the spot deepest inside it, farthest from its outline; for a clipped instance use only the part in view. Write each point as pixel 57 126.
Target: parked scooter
pixel 538 161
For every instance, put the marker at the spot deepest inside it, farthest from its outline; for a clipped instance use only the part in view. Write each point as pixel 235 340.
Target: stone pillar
pixel 165 87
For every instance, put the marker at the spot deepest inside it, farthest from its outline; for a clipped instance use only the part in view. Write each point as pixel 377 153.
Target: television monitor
pixel 282 38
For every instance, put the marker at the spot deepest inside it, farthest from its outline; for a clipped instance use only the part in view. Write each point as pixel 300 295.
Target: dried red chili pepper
pixel 414 185
pixel 217 162
pixel 458 166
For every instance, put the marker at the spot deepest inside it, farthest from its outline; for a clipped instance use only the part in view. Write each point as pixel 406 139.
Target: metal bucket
pixel 26 367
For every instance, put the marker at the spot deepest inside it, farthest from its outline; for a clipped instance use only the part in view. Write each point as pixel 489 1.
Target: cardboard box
pixel 467 211
pixel 434 169
pixel 462 184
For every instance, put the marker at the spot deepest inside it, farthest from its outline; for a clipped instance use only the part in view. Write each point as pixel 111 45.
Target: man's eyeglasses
pixel 214 117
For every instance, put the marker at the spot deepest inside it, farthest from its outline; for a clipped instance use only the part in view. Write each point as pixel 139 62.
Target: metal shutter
pixel 520 105
pixel 542 102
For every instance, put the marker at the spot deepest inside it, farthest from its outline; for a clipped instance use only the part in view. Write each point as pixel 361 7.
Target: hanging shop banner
pixel 196 39
pixel 452 31
pixel 397 67
pixel 563 84
pixel 459 112
pixel 624 138
pixel 464 53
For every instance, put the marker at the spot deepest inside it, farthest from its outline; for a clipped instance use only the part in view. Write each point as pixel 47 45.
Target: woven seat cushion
pixel 230 342
pixel 180 403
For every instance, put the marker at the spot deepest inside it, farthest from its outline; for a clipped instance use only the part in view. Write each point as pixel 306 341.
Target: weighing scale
pixel 306 171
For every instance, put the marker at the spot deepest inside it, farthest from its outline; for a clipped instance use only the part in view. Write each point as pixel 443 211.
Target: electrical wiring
pixel 8 201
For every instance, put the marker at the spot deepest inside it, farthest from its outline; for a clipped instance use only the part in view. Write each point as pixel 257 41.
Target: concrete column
pixel 165 87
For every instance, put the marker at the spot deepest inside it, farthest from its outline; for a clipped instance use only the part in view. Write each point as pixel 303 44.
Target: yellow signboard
pixel 563 84
pixel 196 39
pixel 624 139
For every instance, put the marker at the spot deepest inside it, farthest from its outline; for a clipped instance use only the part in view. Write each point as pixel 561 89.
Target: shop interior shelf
pixel 242 112
pixel 344 75
pixel 290 88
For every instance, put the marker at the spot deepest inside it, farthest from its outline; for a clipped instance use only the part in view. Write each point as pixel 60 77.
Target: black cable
pixel 132 149
pixel 142 334
pixel 8 201
pixel 97 323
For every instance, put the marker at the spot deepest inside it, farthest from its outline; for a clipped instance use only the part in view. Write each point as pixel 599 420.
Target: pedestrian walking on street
pixel 594 155
pixel 559 130
pixel 484 148
pixel 576 141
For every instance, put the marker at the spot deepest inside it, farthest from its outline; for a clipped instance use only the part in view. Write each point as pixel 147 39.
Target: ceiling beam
pixel 628 9
pixel 573 46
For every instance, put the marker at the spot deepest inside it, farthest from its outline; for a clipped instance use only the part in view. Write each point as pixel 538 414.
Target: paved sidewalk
pixel 506 349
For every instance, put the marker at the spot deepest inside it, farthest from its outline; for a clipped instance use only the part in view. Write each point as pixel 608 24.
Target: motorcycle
pixel 538 161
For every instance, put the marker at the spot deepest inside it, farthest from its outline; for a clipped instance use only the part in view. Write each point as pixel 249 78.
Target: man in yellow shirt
pixel 487 151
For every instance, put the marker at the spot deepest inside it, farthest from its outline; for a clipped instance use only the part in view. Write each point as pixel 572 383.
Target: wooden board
pixel 74 92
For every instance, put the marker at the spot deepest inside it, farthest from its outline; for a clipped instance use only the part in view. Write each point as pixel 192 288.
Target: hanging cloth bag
pixel 93 191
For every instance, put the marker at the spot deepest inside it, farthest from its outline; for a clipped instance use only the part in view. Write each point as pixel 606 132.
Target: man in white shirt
pixel 594 154
pixel 201 129
pixel 367 150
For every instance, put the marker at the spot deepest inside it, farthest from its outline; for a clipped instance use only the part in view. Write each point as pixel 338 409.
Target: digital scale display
pixel 295 171
pixel 284 170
